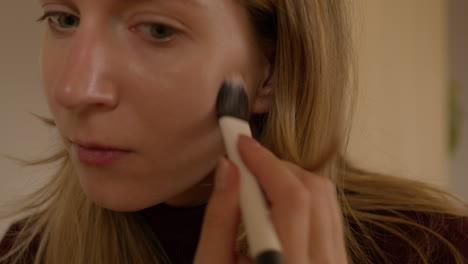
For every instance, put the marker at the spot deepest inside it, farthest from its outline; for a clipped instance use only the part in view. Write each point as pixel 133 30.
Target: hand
pixel 304 209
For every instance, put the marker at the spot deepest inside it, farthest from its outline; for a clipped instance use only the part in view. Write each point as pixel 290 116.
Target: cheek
pixel 51 66
pixel 178 85
pixel 171 98
pixel 174 90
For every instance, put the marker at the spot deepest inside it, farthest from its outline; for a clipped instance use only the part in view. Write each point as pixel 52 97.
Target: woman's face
pixel 143 76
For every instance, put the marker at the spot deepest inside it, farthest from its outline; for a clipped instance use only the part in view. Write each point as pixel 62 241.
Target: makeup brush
pixel 232 109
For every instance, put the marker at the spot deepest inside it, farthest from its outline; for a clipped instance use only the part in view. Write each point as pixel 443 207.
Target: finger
pixel 295 169
pixel 326 226
pixel 274 177
pixel 243 259
pixel 289 198
pixel 221 220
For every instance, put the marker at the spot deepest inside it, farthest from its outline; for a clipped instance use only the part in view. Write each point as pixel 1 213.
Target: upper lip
pixel 96 145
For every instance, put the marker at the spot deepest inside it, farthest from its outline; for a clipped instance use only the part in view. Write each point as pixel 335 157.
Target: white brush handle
pixel 261 234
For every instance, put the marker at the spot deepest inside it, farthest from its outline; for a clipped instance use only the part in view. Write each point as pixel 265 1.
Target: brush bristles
pixel 233 100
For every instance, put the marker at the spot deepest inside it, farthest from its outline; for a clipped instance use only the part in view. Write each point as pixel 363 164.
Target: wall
pixel 20 93
pixel 401 118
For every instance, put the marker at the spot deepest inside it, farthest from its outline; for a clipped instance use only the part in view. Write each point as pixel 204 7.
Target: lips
pixel 97 154
pixel 97 146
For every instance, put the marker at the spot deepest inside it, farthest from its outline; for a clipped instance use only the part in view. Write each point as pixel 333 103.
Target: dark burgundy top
pixel 178 229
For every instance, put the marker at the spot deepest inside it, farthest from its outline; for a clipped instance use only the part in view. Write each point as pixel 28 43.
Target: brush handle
pixel 262 238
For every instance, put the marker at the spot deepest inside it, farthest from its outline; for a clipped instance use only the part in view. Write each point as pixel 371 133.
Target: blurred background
pixel 412 113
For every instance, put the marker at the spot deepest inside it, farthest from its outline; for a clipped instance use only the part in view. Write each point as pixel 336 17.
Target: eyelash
pixel 49 15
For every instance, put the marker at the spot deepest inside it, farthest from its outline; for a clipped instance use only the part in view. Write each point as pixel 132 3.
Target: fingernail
pixel 222 173
pixel 249 141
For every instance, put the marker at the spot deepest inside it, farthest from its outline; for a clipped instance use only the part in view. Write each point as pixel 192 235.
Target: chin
pixel 118 198
pixel 118 206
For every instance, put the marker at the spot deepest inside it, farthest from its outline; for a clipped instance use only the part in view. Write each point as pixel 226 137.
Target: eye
pixel 62 20
pixel 158 32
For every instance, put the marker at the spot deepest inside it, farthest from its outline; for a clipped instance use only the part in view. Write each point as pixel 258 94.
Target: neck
pixel 197 195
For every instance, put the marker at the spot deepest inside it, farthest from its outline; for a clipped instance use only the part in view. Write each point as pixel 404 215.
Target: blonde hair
pixel 308 125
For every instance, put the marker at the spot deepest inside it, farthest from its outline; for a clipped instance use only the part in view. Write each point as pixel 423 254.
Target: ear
pixel 264 92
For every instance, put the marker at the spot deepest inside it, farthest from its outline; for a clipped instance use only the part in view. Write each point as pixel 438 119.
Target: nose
pixel 87 78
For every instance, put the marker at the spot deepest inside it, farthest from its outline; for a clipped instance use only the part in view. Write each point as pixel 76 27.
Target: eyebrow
pixel 197 3
pixel 194 3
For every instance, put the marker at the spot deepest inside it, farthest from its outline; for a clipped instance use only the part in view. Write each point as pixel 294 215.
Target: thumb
pixel 222 217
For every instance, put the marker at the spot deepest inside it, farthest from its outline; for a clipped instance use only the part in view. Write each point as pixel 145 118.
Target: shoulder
pixel 452 228
pixel 431 230
pixel 455 230
pixel 10 237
